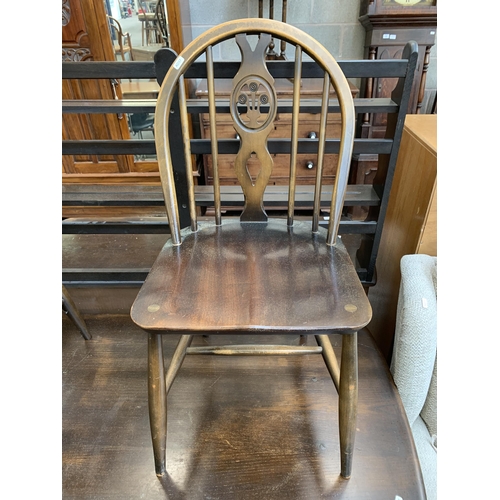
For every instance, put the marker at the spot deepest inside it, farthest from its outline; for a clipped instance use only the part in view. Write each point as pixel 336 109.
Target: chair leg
pixel 330 359
pixel 177 359
pixel 157 397
pixel 348 401
pixel 69 308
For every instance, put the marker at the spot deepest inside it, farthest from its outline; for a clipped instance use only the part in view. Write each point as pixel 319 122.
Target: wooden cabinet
pixel 410 224
pixel 309 126
pixel 85 37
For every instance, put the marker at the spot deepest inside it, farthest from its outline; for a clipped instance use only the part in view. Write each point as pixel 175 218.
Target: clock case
pixel 388 28
pixel 381 13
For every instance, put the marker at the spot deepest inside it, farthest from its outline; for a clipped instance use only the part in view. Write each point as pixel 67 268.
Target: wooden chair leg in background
pixel 70 309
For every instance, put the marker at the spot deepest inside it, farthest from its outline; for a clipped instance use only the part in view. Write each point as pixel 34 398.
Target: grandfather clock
pixel 389 25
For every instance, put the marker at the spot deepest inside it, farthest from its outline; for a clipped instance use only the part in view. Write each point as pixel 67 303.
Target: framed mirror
pixel 145 25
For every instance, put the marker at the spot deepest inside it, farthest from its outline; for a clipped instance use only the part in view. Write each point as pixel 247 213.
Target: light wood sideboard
pixel 411 221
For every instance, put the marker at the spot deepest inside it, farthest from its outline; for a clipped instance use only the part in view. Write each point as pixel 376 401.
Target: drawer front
pixel 306 169
pixel 282 127
pixel 306 163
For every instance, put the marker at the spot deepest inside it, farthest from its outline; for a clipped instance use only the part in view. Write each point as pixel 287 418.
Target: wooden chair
pixel 139 123
pixel 149 24
pixel 253 274
pixel 122 43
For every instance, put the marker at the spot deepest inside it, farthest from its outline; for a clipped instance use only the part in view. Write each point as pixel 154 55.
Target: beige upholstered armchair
pixel 414 359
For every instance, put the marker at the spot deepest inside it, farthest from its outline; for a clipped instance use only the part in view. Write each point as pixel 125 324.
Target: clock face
pixel 409 3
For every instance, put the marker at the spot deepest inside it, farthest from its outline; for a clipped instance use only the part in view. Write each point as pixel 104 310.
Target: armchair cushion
pixel 415 341
pixel 414 359
pixel 427 456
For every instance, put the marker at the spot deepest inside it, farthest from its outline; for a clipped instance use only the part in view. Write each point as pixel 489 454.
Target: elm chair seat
pixel 253 273
pixel 254 278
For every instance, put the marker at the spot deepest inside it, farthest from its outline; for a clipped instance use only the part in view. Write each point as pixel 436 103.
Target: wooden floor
pixel 238 427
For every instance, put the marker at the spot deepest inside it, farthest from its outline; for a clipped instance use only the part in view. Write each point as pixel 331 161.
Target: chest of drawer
pixel 308 128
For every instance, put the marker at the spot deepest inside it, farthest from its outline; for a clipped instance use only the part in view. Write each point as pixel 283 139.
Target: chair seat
pixel 254 277
pixel 147 16
pixel 141 121
pixel 126 48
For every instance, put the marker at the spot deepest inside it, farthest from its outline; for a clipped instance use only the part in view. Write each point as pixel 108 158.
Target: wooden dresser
pixel 308 127
pixel 410 224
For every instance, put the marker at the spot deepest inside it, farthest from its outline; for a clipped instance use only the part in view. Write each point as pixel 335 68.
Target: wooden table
pixel 411 222
pixel 140 89
pixel 147 52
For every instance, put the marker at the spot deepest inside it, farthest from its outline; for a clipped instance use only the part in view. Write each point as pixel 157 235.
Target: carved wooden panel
pixel 85 36
pixel 75 39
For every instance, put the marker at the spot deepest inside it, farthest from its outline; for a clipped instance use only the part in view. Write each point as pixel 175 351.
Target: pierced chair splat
pixel 272 275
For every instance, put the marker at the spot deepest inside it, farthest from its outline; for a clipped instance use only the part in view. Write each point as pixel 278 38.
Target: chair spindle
pixel 213 132
pixel 342 174
pixel 321 152
pixel 295 133
pixel 283 20
pixel 187 153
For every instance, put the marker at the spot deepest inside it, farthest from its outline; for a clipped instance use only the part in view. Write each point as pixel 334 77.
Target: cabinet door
pixel 85 37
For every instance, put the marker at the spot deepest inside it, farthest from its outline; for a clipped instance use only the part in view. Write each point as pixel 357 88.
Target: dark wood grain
pixel 245 428
pixel 252 277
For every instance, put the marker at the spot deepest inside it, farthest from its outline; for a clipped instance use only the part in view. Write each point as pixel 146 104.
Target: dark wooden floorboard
pixel 238 427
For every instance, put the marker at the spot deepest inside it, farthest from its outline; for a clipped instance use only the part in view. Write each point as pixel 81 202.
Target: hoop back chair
pixel 122 43
pixel 253 274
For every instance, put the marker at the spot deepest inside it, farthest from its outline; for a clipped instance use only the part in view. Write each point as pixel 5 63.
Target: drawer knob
pixel 237 136
pixel 312 135
pixel 309 165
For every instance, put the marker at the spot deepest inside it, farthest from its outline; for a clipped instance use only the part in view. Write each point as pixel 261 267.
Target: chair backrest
pixel 161 22
pixel 253 106
pixel 116 28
